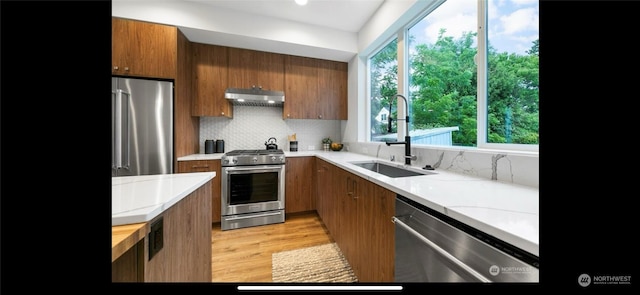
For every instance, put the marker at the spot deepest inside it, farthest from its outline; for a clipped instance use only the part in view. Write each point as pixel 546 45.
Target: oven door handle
pixel 251 216
pixel 253 169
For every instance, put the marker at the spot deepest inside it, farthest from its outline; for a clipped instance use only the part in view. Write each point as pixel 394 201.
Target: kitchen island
pixel 161 228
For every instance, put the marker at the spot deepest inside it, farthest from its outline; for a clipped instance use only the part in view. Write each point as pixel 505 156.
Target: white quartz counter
pixel 507 211
pixel 137 199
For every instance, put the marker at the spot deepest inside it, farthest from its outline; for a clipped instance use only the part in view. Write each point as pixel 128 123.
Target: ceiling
pixel 345 15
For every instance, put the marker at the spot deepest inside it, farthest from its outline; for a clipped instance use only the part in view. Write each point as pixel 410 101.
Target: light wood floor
pixel 244 255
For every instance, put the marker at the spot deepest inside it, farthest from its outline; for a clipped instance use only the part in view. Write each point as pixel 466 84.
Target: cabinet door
pixel 298 188
pixel 377 234
pixel 301 88
pixel 216 189
pixel 332 90
pixel 248 68
pixel 352 235
pixel 210 65
pixel 362 227
pixel 143 49
pixel 324 191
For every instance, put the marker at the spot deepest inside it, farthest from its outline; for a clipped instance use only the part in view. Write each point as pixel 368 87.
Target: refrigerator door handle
pixel 121 148
pixel 115 133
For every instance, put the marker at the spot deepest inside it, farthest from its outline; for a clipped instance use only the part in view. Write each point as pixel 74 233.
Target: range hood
pixel 254 97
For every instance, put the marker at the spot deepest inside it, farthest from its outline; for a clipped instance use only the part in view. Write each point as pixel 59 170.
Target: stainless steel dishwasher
pixel 432 247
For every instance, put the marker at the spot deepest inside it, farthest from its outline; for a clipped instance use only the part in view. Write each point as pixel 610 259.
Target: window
pixel 455 97
pixel 383 72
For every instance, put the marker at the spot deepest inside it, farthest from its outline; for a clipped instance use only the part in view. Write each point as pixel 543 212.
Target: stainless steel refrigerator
pixel 142 127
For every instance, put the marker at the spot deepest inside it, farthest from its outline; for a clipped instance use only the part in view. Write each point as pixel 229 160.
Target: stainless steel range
pixel 252 188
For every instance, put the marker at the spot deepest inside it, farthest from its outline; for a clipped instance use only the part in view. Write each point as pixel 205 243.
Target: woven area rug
pixel 317 264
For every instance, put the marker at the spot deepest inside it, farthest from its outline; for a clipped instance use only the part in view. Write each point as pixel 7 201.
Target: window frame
pixel 482 92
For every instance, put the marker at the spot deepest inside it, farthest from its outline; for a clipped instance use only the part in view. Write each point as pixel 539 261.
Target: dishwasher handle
pixel 441 251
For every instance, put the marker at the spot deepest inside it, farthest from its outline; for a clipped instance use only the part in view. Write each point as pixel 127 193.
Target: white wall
pixel 225 27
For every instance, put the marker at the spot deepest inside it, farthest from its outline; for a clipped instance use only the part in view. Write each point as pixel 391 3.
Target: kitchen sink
pixel 390 170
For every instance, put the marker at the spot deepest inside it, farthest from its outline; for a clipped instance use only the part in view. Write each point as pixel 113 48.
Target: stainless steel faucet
pixel 407 139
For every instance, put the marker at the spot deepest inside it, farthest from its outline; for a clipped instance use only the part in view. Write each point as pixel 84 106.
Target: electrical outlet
pixel 311 147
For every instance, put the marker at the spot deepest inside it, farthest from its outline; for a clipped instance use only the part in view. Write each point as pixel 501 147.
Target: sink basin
pixel 391 170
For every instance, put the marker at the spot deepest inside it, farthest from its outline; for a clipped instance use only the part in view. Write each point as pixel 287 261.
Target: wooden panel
pixel 216 188
pixel 249 68
pixel 242 68
pixel 186 252
pixel 377 233
pixel 359 220
pixel 332 86
pixel 210 65
pixel 271 73
pixel 143 49
pixel 301 87
pixel 323 187
pixel 299 184
pixel 186 127
pixel 382 234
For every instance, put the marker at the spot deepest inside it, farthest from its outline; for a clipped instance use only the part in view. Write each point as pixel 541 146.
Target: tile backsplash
pixel 252 126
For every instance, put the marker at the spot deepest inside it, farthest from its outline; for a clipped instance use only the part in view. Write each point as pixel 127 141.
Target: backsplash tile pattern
pixel 252 126
pixel 517 168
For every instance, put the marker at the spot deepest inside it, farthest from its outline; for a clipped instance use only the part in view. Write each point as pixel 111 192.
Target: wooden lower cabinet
pixel 216 189
pixel 376 245
pixel 299 184
pixel 184 233
pixel 358 215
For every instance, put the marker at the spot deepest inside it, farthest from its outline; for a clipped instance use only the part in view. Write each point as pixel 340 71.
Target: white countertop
pixel 137 199
pixel 507 211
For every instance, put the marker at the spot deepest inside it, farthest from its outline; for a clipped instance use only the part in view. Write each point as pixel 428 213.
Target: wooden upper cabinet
pixel 315 89
pixel 248 68
pixel 300 88
pixel 143 49
pixel 210 66
pixel 332 90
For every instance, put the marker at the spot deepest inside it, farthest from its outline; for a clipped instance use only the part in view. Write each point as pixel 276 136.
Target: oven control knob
pixel 255 159
pixel 281 159
pixel 273 158
pixel 226 161
pixel 235 161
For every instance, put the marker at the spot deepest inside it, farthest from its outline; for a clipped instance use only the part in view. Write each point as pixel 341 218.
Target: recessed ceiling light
pixel 301 2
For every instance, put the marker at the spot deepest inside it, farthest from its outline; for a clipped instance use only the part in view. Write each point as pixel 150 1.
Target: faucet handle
pixel 392 158
pixel 412 157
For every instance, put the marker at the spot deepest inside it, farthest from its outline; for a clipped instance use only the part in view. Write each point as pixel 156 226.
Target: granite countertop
pixel 136 199
pixel 507 211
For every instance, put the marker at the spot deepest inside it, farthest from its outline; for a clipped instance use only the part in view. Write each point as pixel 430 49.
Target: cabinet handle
pixel 126 69
pixel 319 116
pixel 222 113
pixel 115 68
pixel 355 188
pixel 195 166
